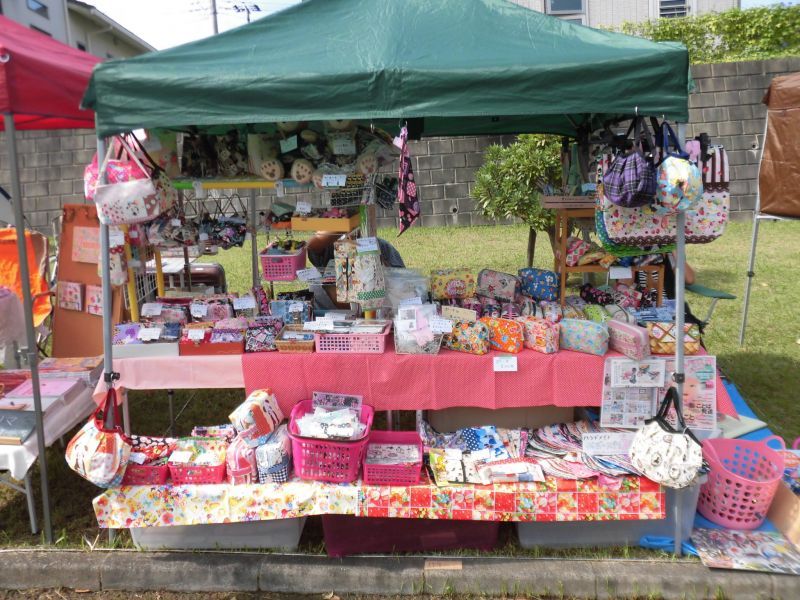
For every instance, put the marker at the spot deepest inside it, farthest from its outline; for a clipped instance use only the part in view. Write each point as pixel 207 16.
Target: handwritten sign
pixel 607 443
pixel 505 363
pixel 333 180
pixel 367 245
pixel 440 325
pixel 149 334
pixel 459 314
pixel 196 335
pixel 198 310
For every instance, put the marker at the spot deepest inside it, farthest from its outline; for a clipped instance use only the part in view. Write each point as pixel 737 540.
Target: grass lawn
pixel 766 370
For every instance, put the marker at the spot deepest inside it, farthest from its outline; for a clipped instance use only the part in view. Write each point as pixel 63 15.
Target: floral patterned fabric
pixel 500 286
pixel 504 335
pixel 626 498
pixel 469 337
pixel 448 284
pixel 540 334
pixel 584 336
pixel 539 284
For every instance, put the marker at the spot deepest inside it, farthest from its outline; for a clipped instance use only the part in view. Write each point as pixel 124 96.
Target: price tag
pixel 244 303
pixel 416 300
pixel 115 237
pixel 344 144
pixel 607 443
pixel 196 335
pixel 151 309
pixel 203 237
pixel 280 189
pixel 505 363
pixel 198 310
pixel 333 180
pixel 440 325
pixel 620 273
pixel 289 144
pixel 176 222
pixel 309 274
pixel 149 334
pixel 137 457
pixel 303 207
pixel 181 457
pixel 133 233
pixel 367 245
pixel 296 307
pixel 459 314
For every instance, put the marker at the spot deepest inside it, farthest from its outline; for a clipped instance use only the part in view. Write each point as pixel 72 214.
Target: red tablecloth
pixel 392 381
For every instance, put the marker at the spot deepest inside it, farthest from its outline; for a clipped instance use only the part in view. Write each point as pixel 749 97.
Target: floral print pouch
pixel 500 286
pixel 539 284
pixel 504 334
pixel 584 336
pixel 541 335
pixel 452 284
pixel 468 336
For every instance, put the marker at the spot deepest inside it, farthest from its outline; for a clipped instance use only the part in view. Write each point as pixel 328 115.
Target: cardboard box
pixel 324 224
pixel 533 417
pixel 785 513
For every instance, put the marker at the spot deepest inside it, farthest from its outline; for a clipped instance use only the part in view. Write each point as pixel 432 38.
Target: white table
pixel 16 461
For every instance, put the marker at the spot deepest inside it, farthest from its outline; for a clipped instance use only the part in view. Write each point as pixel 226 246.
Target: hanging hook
pixel 636 111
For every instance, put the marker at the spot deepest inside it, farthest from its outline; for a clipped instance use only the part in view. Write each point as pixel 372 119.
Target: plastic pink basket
pixel 393 474
pixel 356 343
pixel 327 460
pixel 742 481
pixel 279 267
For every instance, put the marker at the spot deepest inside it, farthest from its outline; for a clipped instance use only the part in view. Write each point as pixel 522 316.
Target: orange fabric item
pixel 10 273
pixel 779 178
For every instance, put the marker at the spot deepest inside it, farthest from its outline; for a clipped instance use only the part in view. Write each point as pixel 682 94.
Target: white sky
pixel 165 23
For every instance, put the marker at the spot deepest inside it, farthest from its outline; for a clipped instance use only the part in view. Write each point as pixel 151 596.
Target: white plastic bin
pixel 586 534
pixel 280 533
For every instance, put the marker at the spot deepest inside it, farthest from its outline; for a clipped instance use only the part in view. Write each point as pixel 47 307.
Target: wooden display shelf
pixel 345 225
pixel 558 202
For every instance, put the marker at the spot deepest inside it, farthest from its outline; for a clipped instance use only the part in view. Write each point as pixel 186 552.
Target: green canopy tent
pixel 461 66
pixel 447 67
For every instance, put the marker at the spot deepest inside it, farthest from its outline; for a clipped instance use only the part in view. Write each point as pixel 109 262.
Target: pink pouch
pixel 576 248
pixel 540 334
pixel 241 461
pixel 631 340
pixel 503 287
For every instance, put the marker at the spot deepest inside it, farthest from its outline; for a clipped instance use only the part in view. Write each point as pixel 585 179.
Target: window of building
pixel 81 46
pixel 560 7
pixel 39 8
pixel 671 9
pixel 40 30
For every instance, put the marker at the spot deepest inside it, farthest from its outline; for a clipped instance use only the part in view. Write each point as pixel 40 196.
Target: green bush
pixel 753 34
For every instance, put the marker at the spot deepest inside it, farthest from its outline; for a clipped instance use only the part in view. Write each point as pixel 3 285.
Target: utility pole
pixel 214 16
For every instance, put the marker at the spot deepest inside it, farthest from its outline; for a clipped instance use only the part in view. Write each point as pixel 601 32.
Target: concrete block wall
pixel 726 104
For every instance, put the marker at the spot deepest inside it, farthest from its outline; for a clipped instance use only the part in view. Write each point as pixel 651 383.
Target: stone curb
pixel 382 575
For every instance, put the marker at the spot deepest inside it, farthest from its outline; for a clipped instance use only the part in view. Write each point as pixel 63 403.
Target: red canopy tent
pixel 42 80
pixel 41 85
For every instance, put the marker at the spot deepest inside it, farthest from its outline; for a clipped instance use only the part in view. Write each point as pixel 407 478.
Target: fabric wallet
pixel 539 284
pixel 584 336
pixel 468 336
pixel 504 335
pixel 500 286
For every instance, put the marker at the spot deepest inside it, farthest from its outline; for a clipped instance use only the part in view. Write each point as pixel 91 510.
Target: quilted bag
pixel 261 337
pixel 679 183
pixel 627 339
pixel 551 311
pixel 663 337
pixel 576 248
pixel 597 313
pixel 584 336
pixel 669 456
pixel 99 452
pixel 539 284
pixel 706 221
pixel 505 335
pixel 241 462
pixel 452 284
pixel 469 337
pixel 500 286
pixel 257 416
pixel 541 335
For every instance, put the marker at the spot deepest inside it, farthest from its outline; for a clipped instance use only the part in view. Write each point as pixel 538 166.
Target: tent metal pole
pixel 108 363
pixel 679 374
pixel 31 350
pixel 751 268
pixel 251 208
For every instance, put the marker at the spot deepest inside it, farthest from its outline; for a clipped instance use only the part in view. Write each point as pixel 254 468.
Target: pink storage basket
pixel 197 474
pixel 145 474
pixel 355 343
pixel 742 481
pixel 393 474
pixel 279 267
pixel 327 460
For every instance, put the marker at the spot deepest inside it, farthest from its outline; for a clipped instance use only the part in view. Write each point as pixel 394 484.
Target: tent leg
pixel 31 503
pixel 251 208
pixel 750 274
pixel 31 349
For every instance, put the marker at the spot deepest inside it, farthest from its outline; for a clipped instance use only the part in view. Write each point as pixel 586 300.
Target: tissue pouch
pixel 541 335
pixel 630 340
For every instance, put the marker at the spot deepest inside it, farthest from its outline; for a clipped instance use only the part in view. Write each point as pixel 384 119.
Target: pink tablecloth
pixel 392 381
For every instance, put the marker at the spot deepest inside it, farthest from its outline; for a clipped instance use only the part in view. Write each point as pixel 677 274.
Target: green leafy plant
pixel 732 35
pixel 509 183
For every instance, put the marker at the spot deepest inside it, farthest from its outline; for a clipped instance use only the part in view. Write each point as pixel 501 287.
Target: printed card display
pixel 699 391
pixel 631 373
pixel 625 407
pixel 367 245
pixel 70 295
pixel 94 300
pixel 333 400
pixel 85 244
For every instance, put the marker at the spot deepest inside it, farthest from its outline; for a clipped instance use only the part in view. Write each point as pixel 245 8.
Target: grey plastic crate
pixel 586 534
pixel 280 533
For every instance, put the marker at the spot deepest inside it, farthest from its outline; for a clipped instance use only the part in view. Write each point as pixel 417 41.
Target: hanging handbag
pixel 679 183
pixel 99 452
pixel 631 181
pixel 669 456
pixel 117 170
pixel 706 221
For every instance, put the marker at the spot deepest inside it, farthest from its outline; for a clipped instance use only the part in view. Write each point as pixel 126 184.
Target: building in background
pixel 76 24
pixel 612 13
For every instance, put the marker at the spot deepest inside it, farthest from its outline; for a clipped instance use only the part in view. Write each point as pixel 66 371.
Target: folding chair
pixel 714 295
